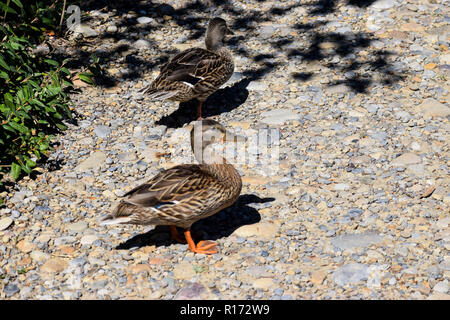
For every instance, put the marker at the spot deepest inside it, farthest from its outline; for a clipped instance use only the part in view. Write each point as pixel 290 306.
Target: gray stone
pixel 279 116
pixel 406 160
pixel 341 187
pixel 94 161
pixel 77 226
pixel 11 289
pixel 5 223
pixel 350 274
pixel 85 31
pixel 441 286
pixel 145 20
pixel 349 241
pixel 142 44
pixel 257 86
pixel 102 131
pixel 383 4
pixel 191 292
pixel 337 89
pixel 433 108
pixel 111 29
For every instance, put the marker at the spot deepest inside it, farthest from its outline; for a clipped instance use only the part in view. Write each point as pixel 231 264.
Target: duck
pixel 196 73
pixel 184 194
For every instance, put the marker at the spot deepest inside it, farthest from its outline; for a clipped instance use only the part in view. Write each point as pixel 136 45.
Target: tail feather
pixel 118 216
pixel 157 94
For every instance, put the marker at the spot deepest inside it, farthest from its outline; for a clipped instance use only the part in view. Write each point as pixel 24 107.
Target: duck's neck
pixel 225 173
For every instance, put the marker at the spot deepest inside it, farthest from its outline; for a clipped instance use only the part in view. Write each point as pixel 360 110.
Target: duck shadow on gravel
pixel 223 100
pixel 220 225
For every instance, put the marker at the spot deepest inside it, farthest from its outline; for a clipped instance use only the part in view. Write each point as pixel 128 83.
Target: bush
pixel 33 102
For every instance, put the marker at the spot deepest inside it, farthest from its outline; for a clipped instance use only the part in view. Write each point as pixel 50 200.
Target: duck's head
pixel 206 132
pixel 216 33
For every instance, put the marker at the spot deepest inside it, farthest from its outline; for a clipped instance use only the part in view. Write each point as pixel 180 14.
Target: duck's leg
pixel 199 110
pixel 201 247
pixel 174 235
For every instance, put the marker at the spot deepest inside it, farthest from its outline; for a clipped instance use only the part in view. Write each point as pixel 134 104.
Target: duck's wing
pixel 191 65
pixel 172 185
pixel 181 190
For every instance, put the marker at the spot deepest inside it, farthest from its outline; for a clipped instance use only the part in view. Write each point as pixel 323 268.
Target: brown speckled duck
pixel 186 193
pixel 196 73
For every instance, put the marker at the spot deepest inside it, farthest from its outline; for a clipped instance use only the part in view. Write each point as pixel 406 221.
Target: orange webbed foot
pixel 174 235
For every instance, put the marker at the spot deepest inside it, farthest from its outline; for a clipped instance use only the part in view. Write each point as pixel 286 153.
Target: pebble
pixel 361 137
pixel 433 108
pixel 350 274
pixel 94 161
pixel 102 131
pixel 349 241
pixel 85 30
pixel 406 159
pixel 279 116
pixel 5 223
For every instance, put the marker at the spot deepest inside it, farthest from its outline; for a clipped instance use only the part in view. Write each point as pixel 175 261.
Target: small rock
pixel 5 223
pixel 142 44
pixel 441 287
pixel 406 160
pixel 341 187
pixel 383 4
pixel 111 29
pixel 264 230
pixel 350 274
pixel 278 116
pixel 39 256
pixel 11 289
pixel 183 270
pixel 25 246
pixel 94 161
pixel 191 292
pixel 318 276
pixel 349 241
pixel 145 20
pixel 433 108
pixel 88 239
pixel 337 89
pixel 54 265
pixel 263 283
pixel 85 31
pixel 102 131
pixel 79 226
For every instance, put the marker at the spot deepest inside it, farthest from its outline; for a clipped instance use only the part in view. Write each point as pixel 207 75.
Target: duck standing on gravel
pixel 186 193
pixel 196 72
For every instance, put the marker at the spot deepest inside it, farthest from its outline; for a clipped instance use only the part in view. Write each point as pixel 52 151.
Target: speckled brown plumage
pixel 196 73
pixel 183 194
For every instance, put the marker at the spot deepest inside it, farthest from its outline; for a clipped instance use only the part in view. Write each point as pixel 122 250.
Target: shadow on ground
pixel 218 226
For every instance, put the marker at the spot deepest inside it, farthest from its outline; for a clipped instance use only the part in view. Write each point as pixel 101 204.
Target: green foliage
pixel 33 102
pixel 30 19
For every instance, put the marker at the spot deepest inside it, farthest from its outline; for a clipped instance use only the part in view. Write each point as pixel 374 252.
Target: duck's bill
pixel 229 32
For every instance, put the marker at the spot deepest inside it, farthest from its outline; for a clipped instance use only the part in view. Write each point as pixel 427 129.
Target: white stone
pixel 383 4
pixel 406 160
pixel 94 161
pixel 85 31
pixel 278 116
pixel 145 20
pixel 5 223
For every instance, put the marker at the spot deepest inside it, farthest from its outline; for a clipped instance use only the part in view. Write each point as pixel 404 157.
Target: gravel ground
pixel 356 208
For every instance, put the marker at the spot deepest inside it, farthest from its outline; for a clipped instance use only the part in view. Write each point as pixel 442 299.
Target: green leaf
pixel 19 127
pixel 15 170
pixel 52 62
pixel 18 3
pixel 86 77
